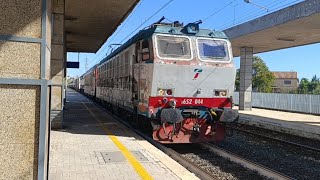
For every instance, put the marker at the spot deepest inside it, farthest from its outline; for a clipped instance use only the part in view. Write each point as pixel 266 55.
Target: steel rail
pixel 277 139
pixel 246 163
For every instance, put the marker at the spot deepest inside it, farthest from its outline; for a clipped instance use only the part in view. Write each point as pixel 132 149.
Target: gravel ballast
pixel 218 166
pixel 290 160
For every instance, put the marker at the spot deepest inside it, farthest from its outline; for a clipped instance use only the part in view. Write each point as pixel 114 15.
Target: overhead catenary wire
pixel 224 26
pixel 116 33
pixel 271 11
pixel 161 8
pixel 150 17
pixel 252 16
pixel 216 12
pixel 255 14
pixel 249 14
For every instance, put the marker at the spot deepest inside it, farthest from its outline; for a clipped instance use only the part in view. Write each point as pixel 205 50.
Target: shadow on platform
pixel 82 116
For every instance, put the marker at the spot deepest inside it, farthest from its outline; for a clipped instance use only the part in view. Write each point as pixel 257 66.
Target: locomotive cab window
pixel 213 50
pixel 145 50
pixel 173 47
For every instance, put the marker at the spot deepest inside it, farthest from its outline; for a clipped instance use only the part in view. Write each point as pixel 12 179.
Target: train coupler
pixel 196 130
pixel 174 131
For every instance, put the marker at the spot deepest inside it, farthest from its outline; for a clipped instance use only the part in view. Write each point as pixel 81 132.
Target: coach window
pixel 126 69
pixel 112 68
pixel 98 77
pixel 106 74
pixel 173 47
pixel 137 49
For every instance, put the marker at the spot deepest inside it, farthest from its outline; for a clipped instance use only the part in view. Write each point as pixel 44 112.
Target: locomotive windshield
pixel 173 47
pixel 213 50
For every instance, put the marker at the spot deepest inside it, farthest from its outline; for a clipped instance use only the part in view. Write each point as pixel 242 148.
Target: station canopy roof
pixel 293 26
pixel 88 24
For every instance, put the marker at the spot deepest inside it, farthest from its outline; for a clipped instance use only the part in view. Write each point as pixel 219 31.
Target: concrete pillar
pixel 246 55
pixel 25 46
pixel 58 58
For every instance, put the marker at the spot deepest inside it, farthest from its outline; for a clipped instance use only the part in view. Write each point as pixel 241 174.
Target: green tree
pixel 262 77
pixel 304 86
pixel 315 79
pixel 317 90
pixel 309 87
pixel 237 82
pixel 313 85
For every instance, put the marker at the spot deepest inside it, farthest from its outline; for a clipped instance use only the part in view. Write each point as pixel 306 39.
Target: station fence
pixel 304 103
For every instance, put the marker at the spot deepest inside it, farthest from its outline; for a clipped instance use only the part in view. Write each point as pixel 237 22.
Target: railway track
pixel 230 162
pixel 277 139
pixel 262 170
pixel 277 150
pixel 194 167
pixel 203 174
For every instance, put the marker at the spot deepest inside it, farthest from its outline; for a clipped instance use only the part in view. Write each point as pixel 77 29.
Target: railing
pixel 305 103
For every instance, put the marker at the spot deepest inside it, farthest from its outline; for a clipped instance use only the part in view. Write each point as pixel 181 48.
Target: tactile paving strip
pixel 117 156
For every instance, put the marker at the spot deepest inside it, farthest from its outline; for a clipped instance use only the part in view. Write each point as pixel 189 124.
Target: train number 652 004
pixel 190 101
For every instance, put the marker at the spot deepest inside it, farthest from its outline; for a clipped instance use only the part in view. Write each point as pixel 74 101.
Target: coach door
pixel 136 74
pixel 141 55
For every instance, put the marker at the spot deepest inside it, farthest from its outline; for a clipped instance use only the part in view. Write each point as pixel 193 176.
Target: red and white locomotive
pixel 177 79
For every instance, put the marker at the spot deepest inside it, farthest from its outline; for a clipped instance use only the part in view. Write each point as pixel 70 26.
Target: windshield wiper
pixel 182 48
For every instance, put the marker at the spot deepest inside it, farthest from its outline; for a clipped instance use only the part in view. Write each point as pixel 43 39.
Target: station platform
pixel 304 125
pixel 92 145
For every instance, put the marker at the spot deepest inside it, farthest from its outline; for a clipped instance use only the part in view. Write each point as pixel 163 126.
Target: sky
pixel 216 14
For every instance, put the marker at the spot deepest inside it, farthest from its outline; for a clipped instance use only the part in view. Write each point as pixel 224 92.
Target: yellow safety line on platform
pixel 143 173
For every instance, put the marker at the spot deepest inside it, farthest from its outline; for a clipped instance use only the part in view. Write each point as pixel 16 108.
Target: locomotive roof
pixel 163 29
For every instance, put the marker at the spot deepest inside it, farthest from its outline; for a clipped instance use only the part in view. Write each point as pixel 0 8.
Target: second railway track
pixel 262 170
pixel 224 164
pixel 296 144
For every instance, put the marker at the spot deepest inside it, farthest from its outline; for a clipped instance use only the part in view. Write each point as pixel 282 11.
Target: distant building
pixel 285 82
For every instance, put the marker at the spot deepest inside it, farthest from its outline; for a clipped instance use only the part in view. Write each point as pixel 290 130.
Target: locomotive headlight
pixel 165 92
pixel 222 93
pixel 160 92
